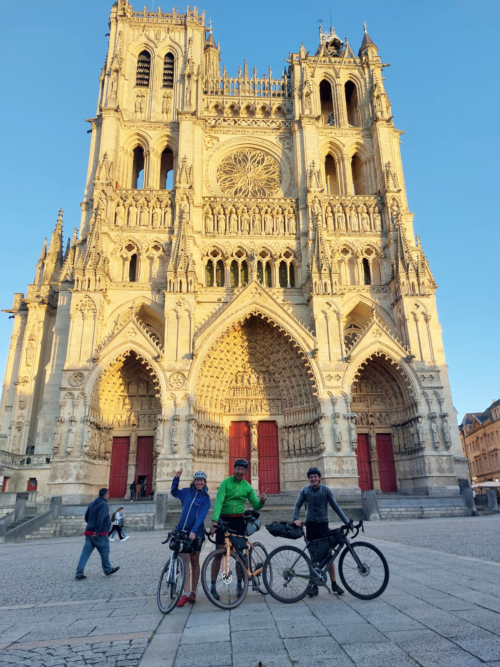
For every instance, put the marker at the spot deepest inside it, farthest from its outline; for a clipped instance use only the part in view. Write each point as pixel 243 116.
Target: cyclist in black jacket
pixel 317 497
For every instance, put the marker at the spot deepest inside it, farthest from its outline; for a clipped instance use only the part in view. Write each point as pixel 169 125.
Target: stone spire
pixel 53 261
pixel 367 42
pixel 39 266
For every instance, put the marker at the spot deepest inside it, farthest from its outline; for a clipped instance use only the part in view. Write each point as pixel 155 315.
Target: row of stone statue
pixel 411 436
pixel 347 218
pixel 144 215
pixel 257 220
pixel 208 441
pixel 303 440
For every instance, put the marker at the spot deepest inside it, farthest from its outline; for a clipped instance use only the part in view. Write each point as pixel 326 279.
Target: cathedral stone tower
pixel 245 281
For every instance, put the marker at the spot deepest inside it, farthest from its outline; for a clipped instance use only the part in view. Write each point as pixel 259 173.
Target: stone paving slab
pixel 438 610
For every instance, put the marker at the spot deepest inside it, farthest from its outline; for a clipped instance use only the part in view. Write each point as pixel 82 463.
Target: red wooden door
pixel 239 444
pixel 386 469
pixel 269 472
pixel 144 467
pixel 32 485
pixel 119 468
pixel 364 467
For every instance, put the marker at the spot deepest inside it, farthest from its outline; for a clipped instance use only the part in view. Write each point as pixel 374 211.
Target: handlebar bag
pixel 182 544
pixel 252 527
pixel 284 529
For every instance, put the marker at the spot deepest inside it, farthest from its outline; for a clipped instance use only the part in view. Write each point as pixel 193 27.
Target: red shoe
pixel 184 600
pixel 192 598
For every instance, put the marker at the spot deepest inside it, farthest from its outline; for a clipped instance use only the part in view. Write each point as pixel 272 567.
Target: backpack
pixel 113 517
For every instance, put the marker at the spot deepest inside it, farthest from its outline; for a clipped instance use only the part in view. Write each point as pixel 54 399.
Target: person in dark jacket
pixel 96 535
pixel 317 498
pixel 195 505
pixel 132 488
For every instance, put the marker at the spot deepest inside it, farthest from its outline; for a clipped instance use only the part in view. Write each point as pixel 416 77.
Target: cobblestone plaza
pixel 442 607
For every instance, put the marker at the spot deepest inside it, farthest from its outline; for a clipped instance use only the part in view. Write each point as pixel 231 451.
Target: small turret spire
pixel 367 41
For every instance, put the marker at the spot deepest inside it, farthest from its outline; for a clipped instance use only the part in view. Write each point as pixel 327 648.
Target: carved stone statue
pixel 317 215
pixel 221 222
pixel 290 221
pixel 233 222
pixel 192 437
pixel 372 437
pixel 166 106
pixel 421 432
pixel 446 432
pixel 132 215
pixel 268 222
pixel 280 222
pixel 114 83
pixel 144 217
pixel 331 119
pixel 329 219
pixel 365 221
pixel 377 221
pixel 245 221
pixel 175 438
pixel 257 222
pixel 156 217
pixel 209 222
pixel 253 436
pixel 435 434
pixel 353 220
pixel 119 214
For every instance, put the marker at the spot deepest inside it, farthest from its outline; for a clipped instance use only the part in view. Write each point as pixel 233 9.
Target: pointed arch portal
pixel 253 381
pixel 126 399
pixel 383 402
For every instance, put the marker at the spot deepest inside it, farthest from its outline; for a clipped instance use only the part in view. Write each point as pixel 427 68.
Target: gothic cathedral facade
pixel 245 281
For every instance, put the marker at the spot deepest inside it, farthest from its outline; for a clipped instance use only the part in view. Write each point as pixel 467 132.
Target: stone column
pixel 132 458
pixel 254 446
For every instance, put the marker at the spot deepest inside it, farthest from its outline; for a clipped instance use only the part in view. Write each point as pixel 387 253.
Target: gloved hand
pixel 350 525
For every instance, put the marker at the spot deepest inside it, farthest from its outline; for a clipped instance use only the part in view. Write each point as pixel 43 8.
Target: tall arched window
pixel 291 269
pixel 268 275
pixel 168 71
pixel 132 269
pixel 366 272
pixel 332 181
pixel 351 269
pixel 167 170
pixel 325 96
pixel 138 169
pixel 209 274
pixel 233 274
pixel 219 273
pixel 352 104
pixel 283 274
pixel 260 271
pixel 358 176
pixel 143 69
pixel 243 273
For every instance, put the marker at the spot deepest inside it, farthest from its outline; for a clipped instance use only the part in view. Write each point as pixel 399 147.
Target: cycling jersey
pixel 231 498
pixel 317 501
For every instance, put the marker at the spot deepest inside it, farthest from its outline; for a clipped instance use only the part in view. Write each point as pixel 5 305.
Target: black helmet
pixel 313 471
pixel 241 462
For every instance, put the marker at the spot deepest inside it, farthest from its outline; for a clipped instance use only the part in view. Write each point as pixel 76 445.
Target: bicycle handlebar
pixel 355 528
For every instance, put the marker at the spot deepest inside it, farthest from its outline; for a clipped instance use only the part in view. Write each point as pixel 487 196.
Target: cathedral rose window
pixel 249 173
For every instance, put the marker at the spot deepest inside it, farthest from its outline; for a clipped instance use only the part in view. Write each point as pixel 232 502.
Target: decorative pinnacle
pixel 364 27
pixel 210 28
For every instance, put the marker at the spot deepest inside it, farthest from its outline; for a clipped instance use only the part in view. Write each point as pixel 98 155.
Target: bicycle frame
pixel 345 542
pixel 229 547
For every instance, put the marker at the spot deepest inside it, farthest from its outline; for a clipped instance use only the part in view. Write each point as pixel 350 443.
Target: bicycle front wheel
pixel 365 576
pixel 171 584
pixel 231 579
pixel 287 572
pixel 258 555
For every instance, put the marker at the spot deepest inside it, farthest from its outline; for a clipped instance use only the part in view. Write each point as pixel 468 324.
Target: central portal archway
pixel 255 381
pixel 383 403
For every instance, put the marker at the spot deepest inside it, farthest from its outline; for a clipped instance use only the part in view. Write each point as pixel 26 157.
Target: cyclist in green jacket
pixel 229 506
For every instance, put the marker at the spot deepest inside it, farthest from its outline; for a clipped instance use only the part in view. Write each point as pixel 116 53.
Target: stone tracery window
pixel 249 173
pixel 351 335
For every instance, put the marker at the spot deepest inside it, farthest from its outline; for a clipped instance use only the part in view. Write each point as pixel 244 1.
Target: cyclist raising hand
pixel 317 498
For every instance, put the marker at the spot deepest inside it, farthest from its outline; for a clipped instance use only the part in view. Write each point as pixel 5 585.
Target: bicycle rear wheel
pixel 171 584
pixel 258 555
pixel 287 572
pixel 368 579
pixel 226 575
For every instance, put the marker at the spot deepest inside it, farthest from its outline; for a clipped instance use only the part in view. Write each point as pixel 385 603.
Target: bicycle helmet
pixel 200 475
pixel 241 462
pixel 313 471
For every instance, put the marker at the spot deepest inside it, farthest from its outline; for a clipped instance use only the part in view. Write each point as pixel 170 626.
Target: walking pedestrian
pixel 117 525
pixel 96 535
pixel 138 490
pixel 132 491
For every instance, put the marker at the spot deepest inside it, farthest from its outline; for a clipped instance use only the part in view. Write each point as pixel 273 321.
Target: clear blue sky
pixel 443 85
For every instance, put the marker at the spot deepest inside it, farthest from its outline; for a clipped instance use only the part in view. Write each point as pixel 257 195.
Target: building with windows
pixel 480 435
pixel 245 281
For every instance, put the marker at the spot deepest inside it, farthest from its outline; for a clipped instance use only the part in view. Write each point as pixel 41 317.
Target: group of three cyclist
pixel 229 506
